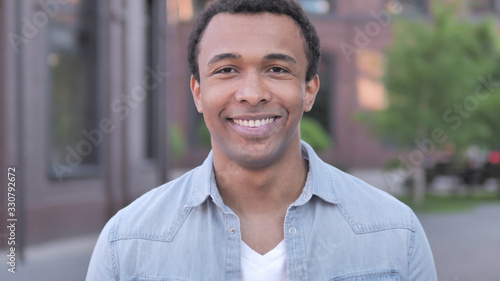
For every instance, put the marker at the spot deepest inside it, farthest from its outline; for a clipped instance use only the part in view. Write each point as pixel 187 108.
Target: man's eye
pixel 225 70
pixel 277 69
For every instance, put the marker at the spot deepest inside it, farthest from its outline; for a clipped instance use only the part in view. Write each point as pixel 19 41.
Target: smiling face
pixel 252 89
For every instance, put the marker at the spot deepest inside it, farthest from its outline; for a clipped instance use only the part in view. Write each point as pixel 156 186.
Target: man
pixel 263 206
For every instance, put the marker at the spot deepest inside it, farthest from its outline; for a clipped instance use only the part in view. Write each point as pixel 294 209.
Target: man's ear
pixel 195 90
pixel 312 87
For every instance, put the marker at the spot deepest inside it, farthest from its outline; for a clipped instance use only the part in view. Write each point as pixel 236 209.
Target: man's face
pixel 252 90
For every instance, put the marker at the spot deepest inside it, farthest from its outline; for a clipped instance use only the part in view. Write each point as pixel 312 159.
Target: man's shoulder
pixel 365 207
pixel 368 208
pixel 152 215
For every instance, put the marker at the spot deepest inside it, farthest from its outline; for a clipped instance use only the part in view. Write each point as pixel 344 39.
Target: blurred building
pixel 81 112
pixel 96 108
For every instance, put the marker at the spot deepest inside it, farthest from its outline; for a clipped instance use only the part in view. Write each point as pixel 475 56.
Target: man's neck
pixel 262 191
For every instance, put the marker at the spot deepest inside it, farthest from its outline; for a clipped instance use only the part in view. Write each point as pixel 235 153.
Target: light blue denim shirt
pixel 340 228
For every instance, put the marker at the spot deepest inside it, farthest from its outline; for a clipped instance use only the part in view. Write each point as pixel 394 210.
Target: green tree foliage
pixel 177 141
pixel 442 74
pixel 314 134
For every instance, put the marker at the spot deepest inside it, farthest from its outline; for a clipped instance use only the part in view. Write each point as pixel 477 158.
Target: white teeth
pixel 253 123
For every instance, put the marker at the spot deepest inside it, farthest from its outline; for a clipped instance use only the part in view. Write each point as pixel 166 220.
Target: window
pixel 409 8
pixel 185 10
pixel 199 5
pixel 72 60
pixel 371 89
pixel 322 111
pixel 319 7
pixel 481 7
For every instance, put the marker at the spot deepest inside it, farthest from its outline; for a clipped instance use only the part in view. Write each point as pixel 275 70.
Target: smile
pixel 253 123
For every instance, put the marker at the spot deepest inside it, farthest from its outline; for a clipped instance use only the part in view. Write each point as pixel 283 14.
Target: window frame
pixel 492 10
pixel 330 99
pixel 82 170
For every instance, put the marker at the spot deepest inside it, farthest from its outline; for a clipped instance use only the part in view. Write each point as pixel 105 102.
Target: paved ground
pixel 466 247
pixel 64 260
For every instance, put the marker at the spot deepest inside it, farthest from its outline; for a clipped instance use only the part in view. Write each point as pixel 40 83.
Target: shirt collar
pixel 319 182
pixel 202 181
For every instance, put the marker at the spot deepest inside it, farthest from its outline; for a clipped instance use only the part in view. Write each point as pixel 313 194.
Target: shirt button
pixel 232 229
pixel 292 230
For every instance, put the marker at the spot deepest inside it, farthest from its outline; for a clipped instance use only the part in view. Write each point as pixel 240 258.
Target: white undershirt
pixel 257 267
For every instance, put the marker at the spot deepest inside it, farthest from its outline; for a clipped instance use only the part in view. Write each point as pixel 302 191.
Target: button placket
pixel 233 238
pixel 296 261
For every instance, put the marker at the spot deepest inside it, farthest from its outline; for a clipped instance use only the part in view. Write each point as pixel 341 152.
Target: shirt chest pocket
pixel 383 275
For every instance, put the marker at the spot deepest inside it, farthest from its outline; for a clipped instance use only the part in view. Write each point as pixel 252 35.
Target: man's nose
pixel 252 90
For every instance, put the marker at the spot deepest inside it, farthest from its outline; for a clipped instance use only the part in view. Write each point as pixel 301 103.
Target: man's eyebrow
pixel 282 57
pixel 223 56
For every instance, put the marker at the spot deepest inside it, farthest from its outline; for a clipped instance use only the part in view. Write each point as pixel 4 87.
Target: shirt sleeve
pixel 101 262
pixel 421 262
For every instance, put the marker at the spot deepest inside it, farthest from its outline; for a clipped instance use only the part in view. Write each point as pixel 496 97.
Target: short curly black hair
pixel 290 8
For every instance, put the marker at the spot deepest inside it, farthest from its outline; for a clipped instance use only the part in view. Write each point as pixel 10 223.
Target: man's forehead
pixel 272 56
pixel 261 27
pixel 238 20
